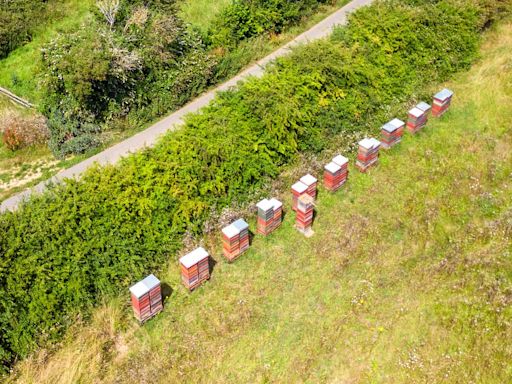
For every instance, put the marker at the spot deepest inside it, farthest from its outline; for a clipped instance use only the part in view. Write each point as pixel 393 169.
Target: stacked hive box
pixel 195 268
pixel 146 298
pixel 310 182
pixel 342 161
pixel 270 214
pixel 424 107
pixel 298 189
pixel 442 101
pixel 392 133
pixel 416 120
pixel 336 173
pixel 235 239
pixel 305 210
pixel 265 217
pixel 368 153
pixel 278 213
pixel 243 227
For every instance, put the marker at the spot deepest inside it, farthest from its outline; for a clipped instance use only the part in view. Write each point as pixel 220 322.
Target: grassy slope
pixel 407 279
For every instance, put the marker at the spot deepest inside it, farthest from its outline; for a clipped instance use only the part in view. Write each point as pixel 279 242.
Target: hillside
pixel 408 278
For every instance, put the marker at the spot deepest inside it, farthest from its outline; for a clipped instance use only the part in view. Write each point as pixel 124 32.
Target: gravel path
pixel 149 136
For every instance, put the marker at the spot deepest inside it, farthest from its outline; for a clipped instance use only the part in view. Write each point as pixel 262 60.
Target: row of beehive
pixel 146 295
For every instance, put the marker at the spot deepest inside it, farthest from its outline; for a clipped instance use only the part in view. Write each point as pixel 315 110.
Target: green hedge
pixel 63 250
pixel 247 18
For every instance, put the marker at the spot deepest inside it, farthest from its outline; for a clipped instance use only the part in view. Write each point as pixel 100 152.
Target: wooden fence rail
pixel 16 99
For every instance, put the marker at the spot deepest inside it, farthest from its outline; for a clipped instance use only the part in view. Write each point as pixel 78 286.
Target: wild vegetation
pixel 80 241
pixel 408 278
pixel 130 62
pixel 85 115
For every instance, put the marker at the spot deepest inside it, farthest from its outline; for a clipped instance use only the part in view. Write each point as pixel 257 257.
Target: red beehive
pixel 442 101
pixel 336 173
pixel 304 214
pixel 392 133
pixel 195 268
pixel 416 119
pixel 146 298
pixel 368 153
pixel 298 189
pixel 310 182
pixel 235 239
pixel 269 215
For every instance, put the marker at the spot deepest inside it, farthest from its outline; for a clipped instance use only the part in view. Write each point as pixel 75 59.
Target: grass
pixel 408 278
pixel 18 70
pixel 202 13
pixel 25 167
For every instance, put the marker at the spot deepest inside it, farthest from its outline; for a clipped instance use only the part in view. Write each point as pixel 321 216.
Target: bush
pixel 69 136
pixel 248 18
pixel 23 131
pixel 63 250
pixel 142 59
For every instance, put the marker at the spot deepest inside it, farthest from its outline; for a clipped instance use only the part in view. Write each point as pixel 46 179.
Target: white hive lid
pixel 265 205
pixel 151 282
pixel 194 257
pixel 332 167
pixel 369 143
pixel 139 289
pixel 340 160
pixel 366 143
pixel 308 179
pixel 397 123
pixel 443 95
pixel 277 204
pixel 375 142
pixel 230 231
pixel 240 224
pixel 388 127
pixel 299 187
pixel 416 112
pixel 423 106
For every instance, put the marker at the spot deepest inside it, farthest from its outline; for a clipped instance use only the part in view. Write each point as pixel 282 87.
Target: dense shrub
pixel 20 131
pixel 133 55
pixel 248 18
pixel 64 249
pixel 71 135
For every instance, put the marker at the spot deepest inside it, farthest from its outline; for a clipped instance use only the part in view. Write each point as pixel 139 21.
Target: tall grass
pixel 407 279
pixel 202 13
